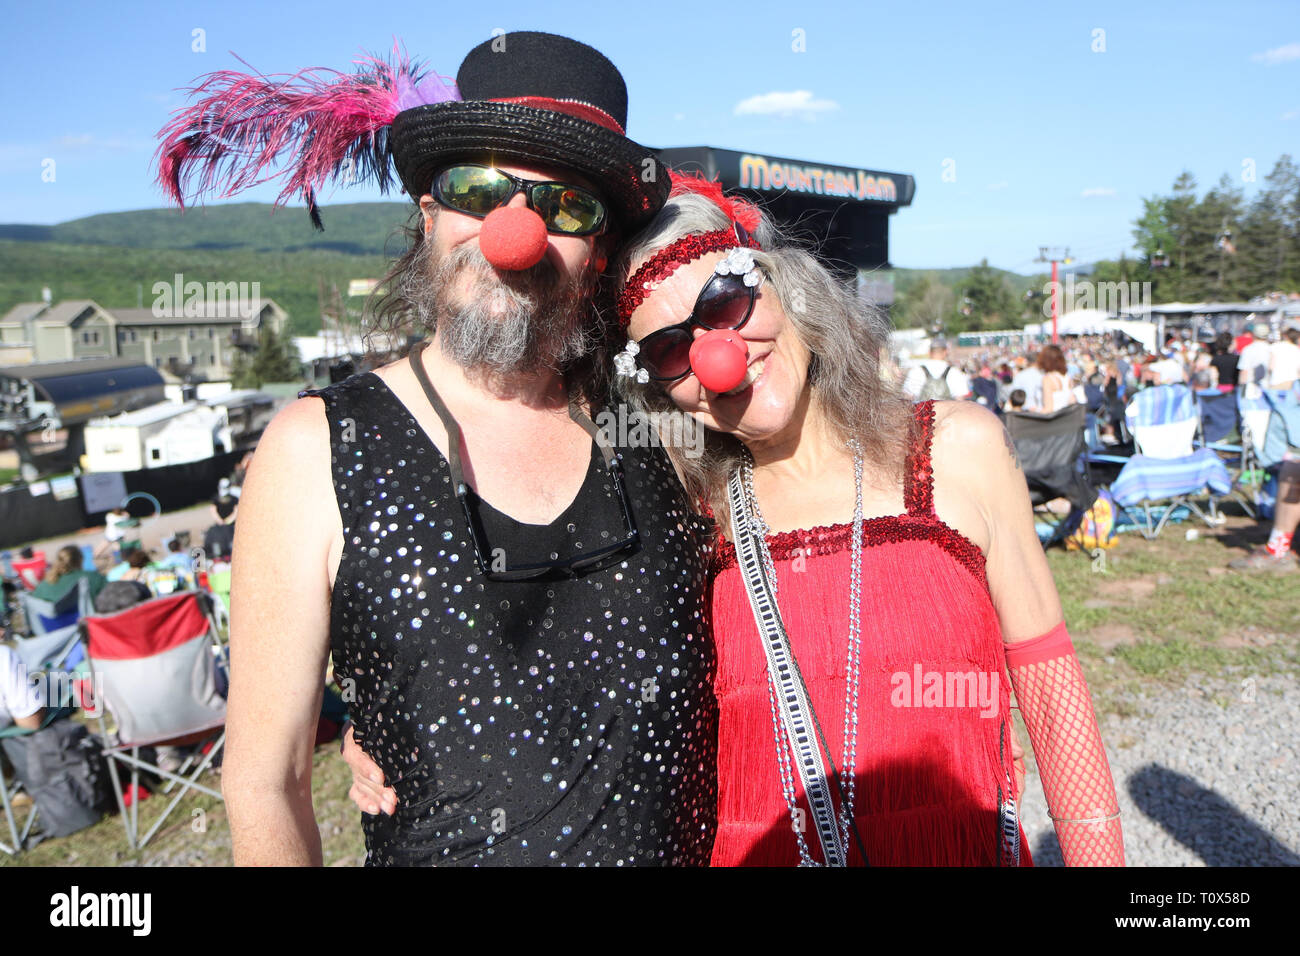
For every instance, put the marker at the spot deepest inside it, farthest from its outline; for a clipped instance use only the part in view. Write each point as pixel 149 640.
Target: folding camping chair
pixel 161 679
pixel 44 616
pixel 1052 452
pixel 1220 419
pixel 1167 468
pixel 218 577
pixel 29 571
pixel 1279 437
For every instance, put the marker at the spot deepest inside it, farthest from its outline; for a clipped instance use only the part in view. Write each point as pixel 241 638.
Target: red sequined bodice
pixel 933 761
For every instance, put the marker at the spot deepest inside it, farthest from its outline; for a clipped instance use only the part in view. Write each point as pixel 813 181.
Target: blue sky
pixel 1049 142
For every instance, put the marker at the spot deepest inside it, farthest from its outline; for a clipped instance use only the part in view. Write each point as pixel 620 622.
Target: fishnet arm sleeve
pixel 1054 702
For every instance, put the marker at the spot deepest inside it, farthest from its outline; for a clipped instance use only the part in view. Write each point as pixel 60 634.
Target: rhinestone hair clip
pixel 671 258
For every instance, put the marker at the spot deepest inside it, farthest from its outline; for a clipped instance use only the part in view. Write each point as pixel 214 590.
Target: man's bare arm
pixel 279 639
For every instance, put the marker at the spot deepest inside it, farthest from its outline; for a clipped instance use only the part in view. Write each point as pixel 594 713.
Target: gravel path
pixel 1207 775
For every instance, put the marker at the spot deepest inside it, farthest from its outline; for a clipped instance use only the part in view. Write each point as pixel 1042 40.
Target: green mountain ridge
pixel 115 258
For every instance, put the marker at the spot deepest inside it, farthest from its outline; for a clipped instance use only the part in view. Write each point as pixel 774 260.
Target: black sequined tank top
pixel 555 722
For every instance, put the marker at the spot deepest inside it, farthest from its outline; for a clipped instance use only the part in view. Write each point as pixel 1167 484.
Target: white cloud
pixel 1281 54
pixel 1291 114
pixel 1093 191
pixel 999 185
pixel 794 103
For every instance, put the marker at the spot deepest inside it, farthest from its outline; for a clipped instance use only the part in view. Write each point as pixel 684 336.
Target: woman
pixel 1224 361
pixel 1057 391
pixel 133 567
pixel 812 446
pixel 63 575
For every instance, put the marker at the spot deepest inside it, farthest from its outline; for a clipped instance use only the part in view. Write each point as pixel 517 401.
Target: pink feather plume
pixel 308 129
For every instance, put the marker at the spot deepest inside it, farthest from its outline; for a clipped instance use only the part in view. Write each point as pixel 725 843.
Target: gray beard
pixel 530 321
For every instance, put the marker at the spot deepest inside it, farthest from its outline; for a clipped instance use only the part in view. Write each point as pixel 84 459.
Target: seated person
pixel 134 564
pixel 224 504
pixel 1017 399
pixel 120 595
pixel 21 700
pixel 176 557
pixel 219 541
pixel 64 575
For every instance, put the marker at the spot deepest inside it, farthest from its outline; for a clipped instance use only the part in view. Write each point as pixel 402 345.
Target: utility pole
pixel 1055 255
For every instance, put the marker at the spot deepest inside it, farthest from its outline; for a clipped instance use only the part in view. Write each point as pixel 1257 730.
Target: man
pixel 987 390
pixel 935 377
pixel 1252 364
pixel 1030 380
pixel 515 621
pixel 1277 554
pixel 21 699
pixel 1166 371
pixel 1284 359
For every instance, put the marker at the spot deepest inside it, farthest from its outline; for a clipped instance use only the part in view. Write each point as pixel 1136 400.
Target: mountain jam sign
pixel 758 172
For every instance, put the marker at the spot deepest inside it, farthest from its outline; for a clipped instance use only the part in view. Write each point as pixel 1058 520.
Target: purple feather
pixel 432 89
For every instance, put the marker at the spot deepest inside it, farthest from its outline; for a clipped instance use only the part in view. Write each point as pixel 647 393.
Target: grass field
pixel 1146 616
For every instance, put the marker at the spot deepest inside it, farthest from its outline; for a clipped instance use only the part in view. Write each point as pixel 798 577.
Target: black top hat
pixel 535 98
pixel 532 98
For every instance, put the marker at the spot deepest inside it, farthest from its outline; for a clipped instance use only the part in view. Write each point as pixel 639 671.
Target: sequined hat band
pixel 671 258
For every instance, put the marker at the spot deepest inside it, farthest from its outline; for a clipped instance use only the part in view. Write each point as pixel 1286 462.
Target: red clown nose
pixel 513 238
pixel 718 360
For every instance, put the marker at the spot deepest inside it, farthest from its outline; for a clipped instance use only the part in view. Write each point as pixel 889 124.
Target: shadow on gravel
pixel 1047 852
pixel 1203 821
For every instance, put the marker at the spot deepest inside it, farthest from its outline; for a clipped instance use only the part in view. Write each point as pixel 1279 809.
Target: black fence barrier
pixel 25 517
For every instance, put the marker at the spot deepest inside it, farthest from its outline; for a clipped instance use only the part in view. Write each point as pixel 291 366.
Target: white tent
pixel 1144 332
pixel 1078 322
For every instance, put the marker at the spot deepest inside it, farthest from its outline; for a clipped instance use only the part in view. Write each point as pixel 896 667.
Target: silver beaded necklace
pixel 848 789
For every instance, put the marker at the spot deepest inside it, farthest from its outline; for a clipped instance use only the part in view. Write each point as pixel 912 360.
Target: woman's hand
pixel 368 791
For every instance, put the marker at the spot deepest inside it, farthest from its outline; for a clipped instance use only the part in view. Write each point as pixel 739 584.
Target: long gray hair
pixel 844 334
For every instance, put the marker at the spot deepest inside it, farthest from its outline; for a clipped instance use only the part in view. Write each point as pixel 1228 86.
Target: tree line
pixel 1213 247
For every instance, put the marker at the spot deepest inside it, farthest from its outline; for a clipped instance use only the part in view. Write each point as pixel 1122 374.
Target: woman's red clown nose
pixel 718 360
pixel 512 238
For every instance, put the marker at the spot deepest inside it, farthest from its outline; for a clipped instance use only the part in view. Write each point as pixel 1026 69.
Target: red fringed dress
pixel 933 755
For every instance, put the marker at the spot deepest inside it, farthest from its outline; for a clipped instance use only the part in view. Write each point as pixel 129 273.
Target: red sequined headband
pixel 672 257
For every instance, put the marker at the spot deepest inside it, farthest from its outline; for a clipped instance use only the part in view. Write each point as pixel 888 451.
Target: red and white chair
pixel 158 668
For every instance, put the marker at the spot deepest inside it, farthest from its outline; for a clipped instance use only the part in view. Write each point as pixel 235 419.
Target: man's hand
pixel 1017 763
pixel 368 791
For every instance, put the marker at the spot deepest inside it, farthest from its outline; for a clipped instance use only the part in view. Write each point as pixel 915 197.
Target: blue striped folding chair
pixel 1168 473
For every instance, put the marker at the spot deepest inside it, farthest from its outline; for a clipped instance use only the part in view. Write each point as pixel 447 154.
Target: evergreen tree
pixel 275 360
pixel 1270 234
pixel 1179 209
pixel 928 304
pixel 991 301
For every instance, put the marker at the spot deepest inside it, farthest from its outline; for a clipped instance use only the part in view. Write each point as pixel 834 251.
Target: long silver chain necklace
pixel 852 668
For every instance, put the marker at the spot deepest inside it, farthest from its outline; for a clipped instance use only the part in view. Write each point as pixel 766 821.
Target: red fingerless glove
pixel 1054 702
